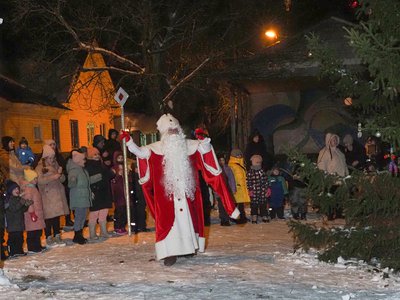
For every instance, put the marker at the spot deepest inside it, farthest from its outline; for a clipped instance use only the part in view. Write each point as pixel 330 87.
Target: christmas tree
pixel 370 201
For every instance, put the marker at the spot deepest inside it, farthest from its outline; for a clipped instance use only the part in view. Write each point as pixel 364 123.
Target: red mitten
pixel 268 192
pixel 124 135
pixel 34 217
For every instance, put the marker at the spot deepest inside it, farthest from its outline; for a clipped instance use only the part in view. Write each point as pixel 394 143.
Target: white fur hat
pixel 166 122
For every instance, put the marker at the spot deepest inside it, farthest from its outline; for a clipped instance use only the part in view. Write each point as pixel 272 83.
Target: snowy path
pixel 252 261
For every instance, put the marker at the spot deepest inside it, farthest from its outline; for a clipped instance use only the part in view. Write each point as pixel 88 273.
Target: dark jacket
pixel 259 148
pixel 111 145
pixel 15 208
pixel 278 187
pixel 101 189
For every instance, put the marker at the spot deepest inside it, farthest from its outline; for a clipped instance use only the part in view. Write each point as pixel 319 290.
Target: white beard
pixel 178 171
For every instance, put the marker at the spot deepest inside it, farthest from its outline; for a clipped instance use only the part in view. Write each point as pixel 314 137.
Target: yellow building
pixel 89 110
pixel 24 113
pixel 92 108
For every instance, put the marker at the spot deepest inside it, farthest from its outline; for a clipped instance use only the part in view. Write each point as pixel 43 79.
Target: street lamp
pixel 271 34
pixel 1 21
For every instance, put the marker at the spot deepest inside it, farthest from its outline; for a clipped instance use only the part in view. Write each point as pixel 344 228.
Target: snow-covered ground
pixel 251 261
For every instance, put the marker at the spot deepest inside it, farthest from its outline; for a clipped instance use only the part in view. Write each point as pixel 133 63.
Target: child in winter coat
pixel 15 207
pixel 24 153
pixel 117 188
pixel 80 193
pixel 34 219
pixel 257 187
pixel 277 193
pixel 102 200
pixel 236 163
pixel 298 199
pixel 50 179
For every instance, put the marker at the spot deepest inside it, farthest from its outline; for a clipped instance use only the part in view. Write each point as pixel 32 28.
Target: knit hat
pixel 256 160
pixel 48 151
pixel 30 175
pixel 23 140
pixel 78 158
pixel 348 139
pixel 10 186
pixel 91 152
pixel 98 139
pixel 5 140
pixel 236 152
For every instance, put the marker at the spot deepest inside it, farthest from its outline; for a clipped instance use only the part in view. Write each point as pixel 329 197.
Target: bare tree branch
pixel 184 80
pixel 110 68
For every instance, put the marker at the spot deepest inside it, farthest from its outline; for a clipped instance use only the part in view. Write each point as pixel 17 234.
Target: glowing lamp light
pixel 348 101
pixel 271 34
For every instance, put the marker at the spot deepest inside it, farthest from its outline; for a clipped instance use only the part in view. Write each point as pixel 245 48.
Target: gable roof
pixel 291 58
pixel 17 93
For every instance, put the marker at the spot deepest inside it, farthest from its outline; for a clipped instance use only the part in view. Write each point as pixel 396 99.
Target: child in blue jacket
pixel 277 193
pixel 24 153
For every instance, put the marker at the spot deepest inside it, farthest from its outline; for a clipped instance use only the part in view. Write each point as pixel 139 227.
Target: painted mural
pixel 302 122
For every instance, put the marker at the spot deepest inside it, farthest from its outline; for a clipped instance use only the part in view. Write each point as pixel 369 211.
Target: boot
pixel 103 230
pixel 169 261
pixel 92 231
pixel 254 219
pixel 57 240
pixel 78 238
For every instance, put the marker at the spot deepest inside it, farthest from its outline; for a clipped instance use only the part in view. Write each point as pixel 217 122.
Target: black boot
pixel 78 238
pixel 169 261
pixel 68 221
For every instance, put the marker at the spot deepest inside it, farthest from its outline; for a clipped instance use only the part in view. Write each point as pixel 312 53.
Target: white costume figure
pixel 168 173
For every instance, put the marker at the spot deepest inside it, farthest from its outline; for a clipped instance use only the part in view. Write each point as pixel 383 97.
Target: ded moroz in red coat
pixel 179 220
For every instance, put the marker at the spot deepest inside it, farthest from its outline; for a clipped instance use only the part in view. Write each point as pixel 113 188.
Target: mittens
pixel 34 217
pixel 124 135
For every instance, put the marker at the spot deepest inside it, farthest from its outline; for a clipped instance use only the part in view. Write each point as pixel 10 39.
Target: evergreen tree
pixel 370 200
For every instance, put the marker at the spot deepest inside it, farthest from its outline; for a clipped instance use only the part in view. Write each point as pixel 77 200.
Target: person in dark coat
pixel 15 207
pixel 102 199
pixel 230 180
pixel 256 146
pixel 139 202
pixel 118 192
pixel 277 193
pixel 354 153
pixel 110 146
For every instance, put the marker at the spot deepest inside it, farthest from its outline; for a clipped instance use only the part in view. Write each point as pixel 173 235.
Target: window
pixel 74 133
pixel 103 129
pixel 55 132
pixel 37 133
pixel 90 133
pixel 149 138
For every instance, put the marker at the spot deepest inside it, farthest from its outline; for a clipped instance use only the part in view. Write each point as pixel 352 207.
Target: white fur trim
pixel 209 168
pixel 205 145
pixel 146 177
pixel 202 244
pixel 140 152
pixel 235 214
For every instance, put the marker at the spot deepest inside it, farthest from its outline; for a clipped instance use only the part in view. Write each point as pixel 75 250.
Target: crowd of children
pixel 39 190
